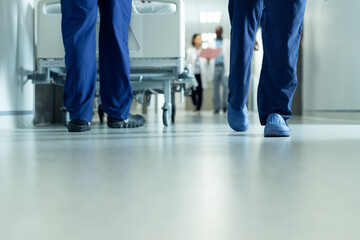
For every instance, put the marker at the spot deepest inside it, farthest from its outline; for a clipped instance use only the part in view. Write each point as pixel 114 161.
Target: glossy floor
pixel 196 180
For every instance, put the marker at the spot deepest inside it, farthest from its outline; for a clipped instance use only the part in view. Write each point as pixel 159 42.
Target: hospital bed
pixel 156 45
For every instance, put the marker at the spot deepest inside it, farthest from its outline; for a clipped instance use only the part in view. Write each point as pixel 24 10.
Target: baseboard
pixel 15 120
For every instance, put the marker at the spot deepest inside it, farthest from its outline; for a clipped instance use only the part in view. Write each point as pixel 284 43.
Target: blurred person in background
pixel 199 67
pixel 221 69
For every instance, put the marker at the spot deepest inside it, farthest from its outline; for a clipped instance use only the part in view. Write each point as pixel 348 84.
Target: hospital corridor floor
pixel 196 180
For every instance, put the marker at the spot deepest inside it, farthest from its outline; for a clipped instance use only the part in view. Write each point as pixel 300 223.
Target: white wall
pixel 331 55
pixel 16 56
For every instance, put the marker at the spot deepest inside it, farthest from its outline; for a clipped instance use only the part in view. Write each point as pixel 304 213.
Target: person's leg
pixel 114 62
pixel 195 93
pixel 200 94
pixel 245 18
pixel 216 89
pixel 79 36
pixel 225 92
pixel 281 27
pixel 194 96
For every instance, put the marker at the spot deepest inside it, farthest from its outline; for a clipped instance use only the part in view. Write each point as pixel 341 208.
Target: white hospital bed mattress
pixel 140 7
pixel 154 7
pixel 153 25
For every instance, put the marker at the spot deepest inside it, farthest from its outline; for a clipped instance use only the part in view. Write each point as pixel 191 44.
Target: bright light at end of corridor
pixel 210 17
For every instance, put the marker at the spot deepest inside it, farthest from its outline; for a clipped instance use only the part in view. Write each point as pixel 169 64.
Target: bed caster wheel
pixel 148 100
pixel 140 97
pixel 65 117
pixel 166 118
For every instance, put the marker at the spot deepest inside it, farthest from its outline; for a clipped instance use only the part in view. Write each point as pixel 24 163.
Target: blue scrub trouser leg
pixel 282 21
pixel 245 18
pixel 281 31
pixel 79 36
pixel 116 91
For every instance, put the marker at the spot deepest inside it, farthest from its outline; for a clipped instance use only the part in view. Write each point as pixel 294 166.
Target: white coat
pixel 226 54
pixel 205 71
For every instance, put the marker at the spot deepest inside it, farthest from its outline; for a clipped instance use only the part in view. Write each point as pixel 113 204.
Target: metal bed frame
pixel 149 75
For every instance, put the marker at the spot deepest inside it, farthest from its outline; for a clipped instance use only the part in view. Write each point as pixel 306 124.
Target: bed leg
pixel 167 108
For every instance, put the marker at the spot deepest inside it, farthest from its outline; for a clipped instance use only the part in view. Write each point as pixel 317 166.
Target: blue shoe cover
pixel 276 126
pixel 238 120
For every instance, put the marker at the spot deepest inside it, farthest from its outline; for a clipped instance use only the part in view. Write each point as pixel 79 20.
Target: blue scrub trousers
pixel 79 35
pixel 281 22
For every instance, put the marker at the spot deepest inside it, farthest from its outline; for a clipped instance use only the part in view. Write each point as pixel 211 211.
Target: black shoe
pixel 78 126
pixel 225 109
pixel 216 112
pixel 134 121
